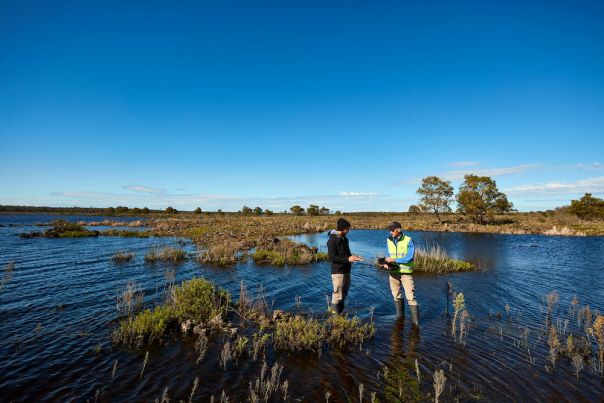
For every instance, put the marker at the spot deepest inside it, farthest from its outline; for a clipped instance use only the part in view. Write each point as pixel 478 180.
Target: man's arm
pixel 408 258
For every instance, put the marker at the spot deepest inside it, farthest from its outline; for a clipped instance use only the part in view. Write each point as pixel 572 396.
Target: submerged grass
pixel 122 257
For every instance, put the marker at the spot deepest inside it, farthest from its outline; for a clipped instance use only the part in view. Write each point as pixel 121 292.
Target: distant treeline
pixel 78 210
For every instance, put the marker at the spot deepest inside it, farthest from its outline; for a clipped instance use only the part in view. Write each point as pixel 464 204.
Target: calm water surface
pixel 58 308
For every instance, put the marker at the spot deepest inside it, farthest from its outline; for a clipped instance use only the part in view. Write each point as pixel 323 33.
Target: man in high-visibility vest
pixel 401 252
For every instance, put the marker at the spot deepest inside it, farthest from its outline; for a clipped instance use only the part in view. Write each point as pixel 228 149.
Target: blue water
pixel 59 306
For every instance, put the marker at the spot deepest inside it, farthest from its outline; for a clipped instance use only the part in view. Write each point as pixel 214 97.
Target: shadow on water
pixel 58 309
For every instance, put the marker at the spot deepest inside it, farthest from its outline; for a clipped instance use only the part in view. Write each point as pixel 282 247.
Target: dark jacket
pixel 339 252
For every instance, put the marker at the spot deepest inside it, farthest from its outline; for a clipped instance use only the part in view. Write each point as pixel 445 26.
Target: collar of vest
pixel 395 239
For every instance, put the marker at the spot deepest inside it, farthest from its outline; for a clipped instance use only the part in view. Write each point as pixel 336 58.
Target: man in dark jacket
pixel 341 261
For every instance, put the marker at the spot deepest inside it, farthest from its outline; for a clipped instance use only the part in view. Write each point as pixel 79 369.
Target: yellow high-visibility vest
pixel 397 250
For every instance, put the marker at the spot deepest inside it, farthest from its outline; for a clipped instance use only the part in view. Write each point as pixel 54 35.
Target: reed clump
pixel 166 254
pixel 279 252
pixel 122 257
pixel 226 254
pixel 435 260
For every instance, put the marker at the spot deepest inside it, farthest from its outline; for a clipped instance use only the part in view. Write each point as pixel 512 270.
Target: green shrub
pixel 199 300
pixel 146 327
pixel 342 331
pixel 299 334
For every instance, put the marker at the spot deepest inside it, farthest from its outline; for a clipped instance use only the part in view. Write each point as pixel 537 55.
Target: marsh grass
pixel 439 384
pixel 435 260
pixel 278 252
pixel 127 233
pixel 226 254
pixel 460 319
pixel 300 333
pixel 166 254
pixel 64 229
pixel 268 385
pixel 122 257
pixel 342 331
pixel 196 300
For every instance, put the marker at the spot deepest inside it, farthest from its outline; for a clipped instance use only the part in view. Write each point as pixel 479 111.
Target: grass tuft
pixel 435 260
pixel 165 254
pixel 122 257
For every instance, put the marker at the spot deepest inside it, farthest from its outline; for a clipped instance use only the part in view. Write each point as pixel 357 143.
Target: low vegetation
pixel 63 229
pixel 122 257
pixel 279 252
pixel 435 260
pixel 226 254
pixel 165 254
pixel 194 301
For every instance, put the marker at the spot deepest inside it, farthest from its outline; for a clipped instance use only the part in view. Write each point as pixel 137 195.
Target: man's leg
pixel 395 288
pixel 409 287
pixel 337 280
pixel 345 288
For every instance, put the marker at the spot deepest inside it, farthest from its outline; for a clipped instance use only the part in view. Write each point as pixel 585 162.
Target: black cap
pixel 342 224
pixel 394 225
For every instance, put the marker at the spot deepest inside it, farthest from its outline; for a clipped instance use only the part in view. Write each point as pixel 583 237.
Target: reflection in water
pixel 58 309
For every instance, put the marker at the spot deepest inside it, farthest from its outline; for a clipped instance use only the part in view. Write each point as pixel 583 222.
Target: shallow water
pixel 58 308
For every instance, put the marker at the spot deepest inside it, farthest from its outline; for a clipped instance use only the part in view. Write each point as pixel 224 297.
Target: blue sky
pixel 219 104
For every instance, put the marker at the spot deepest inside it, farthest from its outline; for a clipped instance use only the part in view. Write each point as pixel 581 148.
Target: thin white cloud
pixel 589 185
pixel 358 194
pixel 464 164
pixel 594 166
pixel 459 174
pixel 144 189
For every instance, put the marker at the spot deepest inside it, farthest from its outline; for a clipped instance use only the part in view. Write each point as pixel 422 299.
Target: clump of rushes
pixel 435 260
pixel 279 252
pixel 122 257
pixel 221 255
pixel 196 300
pixel 165 254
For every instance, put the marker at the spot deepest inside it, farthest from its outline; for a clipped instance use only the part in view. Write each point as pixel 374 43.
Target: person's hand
pixel 389 259
pixel 385 266
pixel 355 258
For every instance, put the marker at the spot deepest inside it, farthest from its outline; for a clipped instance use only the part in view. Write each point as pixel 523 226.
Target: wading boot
pixel 334 308
pixel 414 309
pixel 400 308
pixel 340 307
